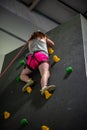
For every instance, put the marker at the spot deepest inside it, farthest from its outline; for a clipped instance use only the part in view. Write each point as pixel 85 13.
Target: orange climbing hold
pixel 50 50
pixel 6 114
pixel 44 127
pixel 47 94
pixel 28 89
pixel 56 58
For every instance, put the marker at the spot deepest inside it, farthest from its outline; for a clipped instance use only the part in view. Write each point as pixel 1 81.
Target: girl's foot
pixel 49 88
pixel 29 83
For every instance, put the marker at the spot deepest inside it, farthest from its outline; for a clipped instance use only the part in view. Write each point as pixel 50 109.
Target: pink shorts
pixel 34 60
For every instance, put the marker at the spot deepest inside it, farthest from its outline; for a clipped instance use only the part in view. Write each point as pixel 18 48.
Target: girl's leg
pixel 24 74
pixel 45 74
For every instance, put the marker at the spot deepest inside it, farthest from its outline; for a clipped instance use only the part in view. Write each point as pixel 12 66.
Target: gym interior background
pixel 65 22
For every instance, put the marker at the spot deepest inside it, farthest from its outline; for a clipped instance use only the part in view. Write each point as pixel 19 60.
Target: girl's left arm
pixel 49 42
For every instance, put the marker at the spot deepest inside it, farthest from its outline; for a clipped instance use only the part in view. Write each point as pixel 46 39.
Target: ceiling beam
pixel 30 4
pixel 39 12
pixel 69 6
pixel 34 3
pixel 84 14
pixel 25 3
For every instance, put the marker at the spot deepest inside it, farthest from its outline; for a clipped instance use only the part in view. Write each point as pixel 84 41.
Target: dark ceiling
pixel 58 11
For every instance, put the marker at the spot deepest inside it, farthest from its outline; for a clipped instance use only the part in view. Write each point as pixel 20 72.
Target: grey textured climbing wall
pixel 67 108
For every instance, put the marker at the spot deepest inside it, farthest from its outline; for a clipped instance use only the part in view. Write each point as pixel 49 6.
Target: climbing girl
pixel 38 58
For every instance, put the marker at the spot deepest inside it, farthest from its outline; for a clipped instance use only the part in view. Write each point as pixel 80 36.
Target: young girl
pixel 38 59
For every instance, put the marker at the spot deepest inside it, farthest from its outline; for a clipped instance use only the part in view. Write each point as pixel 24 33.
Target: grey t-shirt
pixel 38 45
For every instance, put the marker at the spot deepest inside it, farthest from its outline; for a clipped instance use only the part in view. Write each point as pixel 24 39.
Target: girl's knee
pixel 22 75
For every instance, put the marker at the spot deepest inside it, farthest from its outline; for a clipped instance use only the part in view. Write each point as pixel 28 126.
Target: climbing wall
pixel 67 108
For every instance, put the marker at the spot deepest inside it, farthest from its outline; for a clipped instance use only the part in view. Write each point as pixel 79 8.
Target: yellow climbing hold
pixel 29 89
pixel 6 114
pixel 50 50
pixel 44 127
pixel 47 94
pixel 56 58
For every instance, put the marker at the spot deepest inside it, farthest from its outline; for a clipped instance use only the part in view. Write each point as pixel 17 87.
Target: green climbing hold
pixel 22 62
pixel 18 78
pixel 69 70
pixel 24 121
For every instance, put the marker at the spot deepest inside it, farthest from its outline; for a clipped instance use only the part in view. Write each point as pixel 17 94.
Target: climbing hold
pixel 22 62
pixel 44 127
pixel 18 78
pixel 69 69
pixel 50 50
pixel 24 122
pixel 6 114
pixel 28 89
pixel 56 58
pixel 47 94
